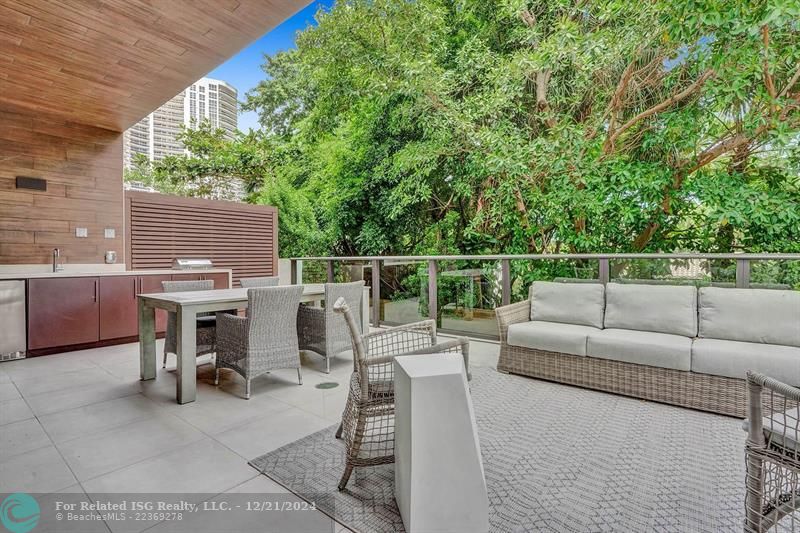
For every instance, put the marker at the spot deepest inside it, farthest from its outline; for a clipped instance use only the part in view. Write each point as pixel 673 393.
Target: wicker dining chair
pixel 265 340
pixel 324 332
pixel 206 322
pixel 772 456
pixel 367 426
pixel 264 281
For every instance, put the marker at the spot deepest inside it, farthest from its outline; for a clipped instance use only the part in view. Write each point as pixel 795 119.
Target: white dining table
pixel 187 305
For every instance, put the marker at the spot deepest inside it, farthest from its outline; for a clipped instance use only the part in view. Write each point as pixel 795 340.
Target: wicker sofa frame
pixel 717 394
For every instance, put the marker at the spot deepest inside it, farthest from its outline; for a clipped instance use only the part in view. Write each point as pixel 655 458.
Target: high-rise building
pixel 155 136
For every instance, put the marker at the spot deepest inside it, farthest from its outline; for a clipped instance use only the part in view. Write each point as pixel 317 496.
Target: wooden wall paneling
pixel 238 236
pixel 47 219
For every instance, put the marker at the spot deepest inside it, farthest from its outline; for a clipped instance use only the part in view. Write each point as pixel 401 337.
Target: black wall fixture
pixel 35 184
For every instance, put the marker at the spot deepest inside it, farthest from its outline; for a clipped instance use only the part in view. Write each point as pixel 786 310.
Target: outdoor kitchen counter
pixel 103 273
pixel 78 310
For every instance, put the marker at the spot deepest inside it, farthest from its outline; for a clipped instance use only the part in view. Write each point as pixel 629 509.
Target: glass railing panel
pixel 525 271
pixel 349 271
pixel 404 292
pixel 775 274
pixel 696 272
pixel 313 271
pixel 467 294
pixel 722 272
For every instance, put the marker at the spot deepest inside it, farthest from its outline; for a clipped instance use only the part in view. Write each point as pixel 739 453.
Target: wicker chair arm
pixel 400 340
pixel 512 314
pixel 773 418
pixel 457 345
pixel 232 338
pixel 787 391
pixel 423 326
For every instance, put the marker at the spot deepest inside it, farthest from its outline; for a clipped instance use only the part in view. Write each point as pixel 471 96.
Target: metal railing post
pixel 505 284
pixel 742 273
pixel 330 270
pixel 433 291
pixel 293 272
pixel 376 293
pixel 604 273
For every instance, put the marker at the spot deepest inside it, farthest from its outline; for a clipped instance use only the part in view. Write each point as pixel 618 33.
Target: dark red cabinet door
pixel 62 312
pixel 220 280
pixel 118 310
pixel 150 285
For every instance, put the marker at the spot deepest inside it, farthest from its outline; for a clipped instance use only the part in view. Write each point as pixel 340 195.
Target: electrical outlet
pixel 81 232
pixel 110 233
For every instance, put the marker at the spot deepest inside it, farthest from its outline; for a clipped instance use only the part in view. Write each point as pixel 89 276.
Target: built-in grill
pixel 182 263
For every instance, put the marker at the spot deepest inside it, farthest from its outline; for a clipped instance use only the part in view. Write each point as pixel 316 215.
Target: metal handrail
pixel 743 263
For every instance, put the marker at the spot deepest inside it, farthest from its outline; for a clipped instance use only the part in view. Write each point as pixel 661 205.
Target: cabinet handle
pixel 95 289
pixel 134 288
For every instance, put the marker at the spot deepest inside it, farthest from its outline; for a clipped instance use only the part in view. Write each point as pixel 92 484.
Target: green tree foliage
pixel 541 125
pixel 213 161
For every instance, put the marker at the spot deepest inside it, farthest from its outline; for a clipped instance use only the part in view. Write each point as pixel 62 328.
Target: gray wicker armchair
pixel 265 281
pixel 206 323
pixel 324 332
pixel 367 425
pixel 264 341
pixel 772 500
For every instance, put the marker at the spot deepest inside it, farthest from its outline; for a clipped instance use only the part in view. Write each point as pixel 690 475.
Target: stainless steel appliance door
pixel 12 317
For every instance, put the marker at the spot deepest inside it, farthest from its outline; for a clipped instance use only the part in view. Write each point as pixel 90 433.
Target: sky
pixel 243 70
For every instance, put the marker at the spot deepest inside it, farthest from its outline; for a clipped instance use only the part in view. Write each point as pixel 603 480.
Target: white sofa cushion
pixel 550 336
pixel 750 315
pixel 734 358
pixel 657 308
pixel 568 303
pixel 641 347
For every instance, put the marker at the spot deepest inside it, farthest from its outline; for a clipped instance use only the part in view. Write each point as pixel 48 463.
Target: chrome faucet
pixel 57 267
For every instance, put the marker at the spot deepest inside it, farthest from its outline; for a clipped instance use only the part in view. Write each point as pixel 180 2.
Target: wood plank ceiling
pixel 108 63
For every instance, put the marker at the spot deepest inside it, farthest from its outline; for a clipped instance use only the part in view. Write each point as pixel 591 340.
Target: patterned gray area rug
pixel 556 458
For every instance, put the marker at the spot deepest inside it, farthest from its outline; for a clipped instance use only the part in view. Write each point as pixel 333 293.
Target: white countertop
pixel 68 274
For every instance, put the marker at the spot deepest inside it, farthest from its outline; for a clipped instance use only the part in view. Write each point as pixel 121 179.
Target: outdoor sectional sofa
pixel 671 344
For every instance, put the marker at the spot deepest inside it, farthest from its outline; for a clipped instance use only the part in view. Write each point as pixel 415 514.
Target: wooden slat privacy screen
pixel 242 237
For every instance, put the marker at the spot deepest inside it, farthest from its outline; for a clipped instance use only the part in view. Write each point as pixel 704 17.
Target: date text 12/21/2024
pixel 185 506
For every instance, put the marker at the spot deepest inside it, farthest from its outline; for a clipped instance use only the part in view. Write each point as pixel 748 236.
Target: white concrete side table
pixel 439 480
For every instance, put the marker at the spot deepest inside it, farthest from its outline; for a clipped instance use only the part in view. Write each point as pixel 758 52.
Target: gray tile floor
pixel 82 422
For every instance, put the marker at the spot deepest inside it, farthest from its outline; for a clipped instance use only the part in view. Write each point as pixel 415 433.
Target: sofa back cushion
pixel 657 308
pixel 750 315
pixel 568 303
